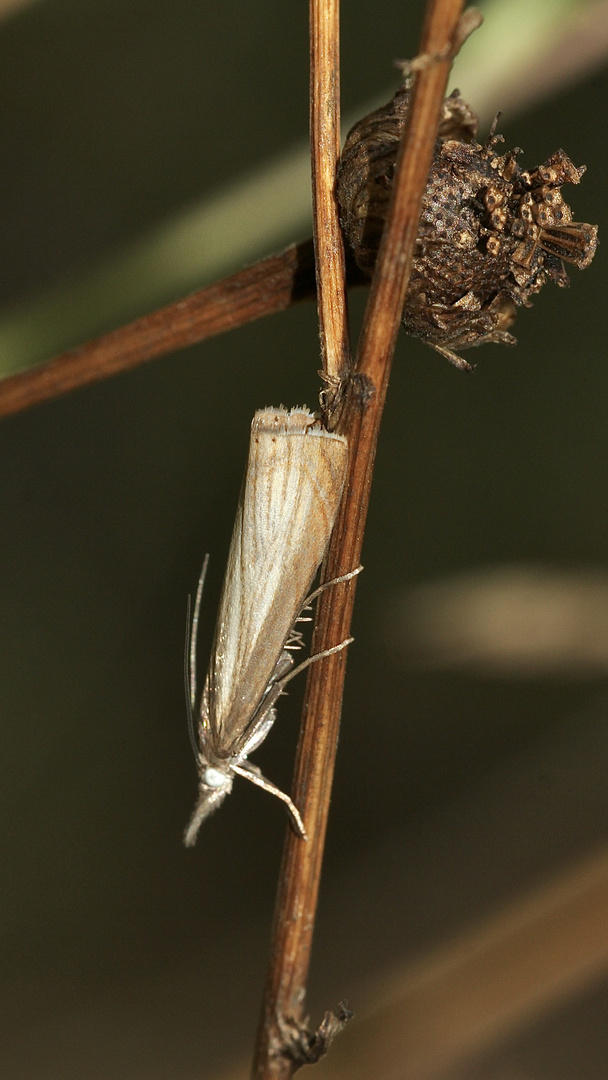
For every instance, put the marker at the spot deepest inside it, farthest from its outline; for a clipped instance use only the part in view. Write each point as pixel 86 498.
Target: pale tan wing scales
pixel 292 491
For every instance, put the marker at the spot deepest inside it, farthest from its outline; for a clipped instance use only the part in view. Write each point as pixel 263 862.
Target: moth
pixel 291 493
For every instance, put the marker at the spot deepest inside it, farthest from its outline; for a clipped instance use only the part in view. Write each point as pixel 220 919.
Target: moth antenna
pixel 194 632
pixel 187 686
pixel 190 657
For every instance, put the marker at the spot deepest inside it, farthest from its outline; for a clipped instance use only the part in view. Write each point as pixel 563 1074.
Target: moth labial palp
pixel 291 494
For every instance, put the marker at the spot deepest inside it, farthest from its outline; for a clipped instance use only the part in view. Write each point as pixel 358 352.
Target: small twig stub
pixel 305 1047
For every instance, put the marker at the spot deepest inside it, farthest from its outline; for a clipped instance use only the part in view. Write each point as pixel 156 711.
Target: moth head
pixel 216 779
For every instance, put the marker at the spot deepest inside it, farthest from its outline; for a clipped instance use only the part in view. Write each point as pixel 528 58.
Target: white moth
pixel 293 485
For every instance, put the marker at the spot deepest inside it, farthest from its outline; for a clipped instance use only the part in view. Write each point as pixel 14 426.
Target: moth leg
pixel 259 733
pixel 251 772
pixel 276 689
pixel 262 722
pixel 310 660
pixel 326 584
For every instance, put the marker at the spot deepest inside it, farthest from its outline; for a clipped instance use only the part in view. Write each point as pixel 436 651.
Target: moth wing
pixel 292 491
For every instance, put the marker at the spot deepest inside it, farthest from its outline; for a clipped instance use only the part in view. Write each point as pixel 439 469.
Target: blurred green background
pixel 459 787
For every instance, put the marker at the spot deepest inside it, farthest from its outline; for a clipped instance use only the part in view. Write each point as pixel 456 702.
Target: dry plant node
pixel 470 20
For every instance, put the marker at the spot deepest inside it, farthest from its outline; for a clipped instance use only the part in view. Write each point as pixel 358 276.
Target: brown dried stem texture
pixel 267 287
pixel 325 151
pixel 359 420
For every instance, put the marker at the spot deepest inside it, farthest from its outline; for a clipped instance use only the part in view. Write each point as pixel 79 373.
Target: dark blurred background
pixel 461 784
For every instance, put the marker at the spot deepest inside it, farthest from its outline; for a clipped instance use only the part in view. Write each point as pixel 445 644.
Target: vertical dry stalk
pixel 282 1039
pixel 325 153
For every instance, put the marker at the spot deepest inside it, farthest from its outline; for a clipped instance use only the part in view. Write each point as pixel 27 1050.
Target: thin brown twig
pixel 270 285
pixel 282 1024
pixel 263 289
pixel 325 153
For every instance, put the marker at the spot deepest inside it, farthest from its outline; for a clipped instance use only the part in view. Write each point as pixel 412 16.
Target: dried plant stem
pixel 267 287
pixel 325 152
pixel 391 278
pixel 281 1035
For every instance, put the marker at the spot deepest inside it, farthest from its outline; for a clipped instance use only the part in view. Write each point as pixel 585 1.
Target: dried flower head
pixel 490 233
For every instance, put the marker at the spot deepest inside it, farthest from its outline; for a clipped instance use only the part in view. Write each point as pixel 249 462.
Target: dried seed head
pixel 490 234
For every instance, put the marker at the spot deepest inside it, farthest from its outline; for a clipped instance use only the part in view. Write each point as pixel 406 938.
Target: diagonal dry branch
pixel 267 287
